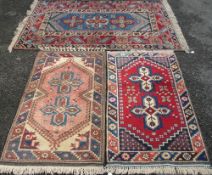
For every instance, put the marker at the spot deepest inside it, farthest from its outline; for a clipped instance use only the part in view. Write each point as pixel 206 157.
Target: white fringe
pixel 160 169
pixel 110 169
pixel 25 170
pixel 176 26
pixel 21 25
pixel 68 49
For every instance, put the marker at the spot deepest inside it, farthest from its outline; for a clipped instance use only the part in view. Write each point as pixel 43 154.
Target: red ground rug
pixel 150 118
pixel 117 25
pixel 61 116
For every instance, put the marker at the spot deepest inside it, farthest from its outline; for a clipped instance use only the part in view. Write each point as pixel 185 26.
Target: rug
pixel 60 119
pixel 99 25
pixel 150 118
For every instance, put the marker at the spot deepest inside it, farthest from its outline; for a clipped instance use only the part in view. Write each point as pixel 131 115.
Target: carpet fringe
pixel 77 170
pixel 68 49
pixel 176 26
pixel 160 169
pixel 114 169
pixel 21 25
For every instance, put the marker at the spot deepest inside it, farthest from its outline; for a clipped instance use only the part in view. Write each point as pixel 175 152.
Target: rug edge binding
pixel 114 169
pixel 21 25
pixel 176 26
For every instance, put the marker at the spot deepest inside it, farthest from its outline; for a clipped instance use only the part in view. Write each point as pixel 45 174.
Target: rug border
pixel 63 162
pixel 176 26
pixel 21 25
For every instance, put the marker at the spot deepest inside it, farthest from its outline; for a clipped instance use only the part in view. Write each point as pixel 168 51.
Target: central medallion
pixel 151 112
pixel 60 22
pixel 64 110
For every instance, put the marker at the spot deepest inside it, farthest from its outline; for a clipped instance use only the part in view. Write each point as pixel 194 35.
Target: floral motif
pixel 122 21
pixel 151 112
pixel 97 22
pixel 145 78
pixel 61 110
pixel 66 83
